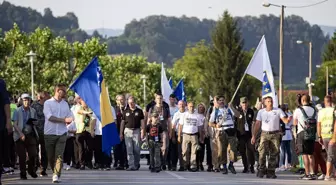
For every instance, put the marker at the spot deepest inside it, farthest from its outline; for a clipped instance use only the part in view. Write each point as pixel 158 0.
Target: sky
pixel 116 14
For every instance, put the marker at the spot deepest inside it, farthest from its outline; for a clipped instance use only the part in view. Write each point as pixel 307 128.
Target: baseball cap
pixel 243 99
pixel 25 96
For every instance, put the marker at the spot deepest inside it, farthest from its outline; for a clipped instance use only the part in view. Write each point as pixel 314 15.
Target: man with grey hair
pixel 132 122
pixel 120 161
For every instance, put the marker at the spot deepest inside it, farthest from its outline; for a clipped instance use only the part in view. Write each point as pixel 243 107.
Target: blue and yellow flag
pixel 90 86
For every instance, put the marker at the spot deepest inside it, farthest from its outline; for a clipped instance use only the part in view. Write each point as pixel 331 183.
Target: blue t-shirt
pixel 4 99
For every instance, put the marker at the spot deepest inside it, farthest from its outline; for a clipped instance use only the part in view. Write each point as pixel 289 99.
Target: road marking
pixel 175 175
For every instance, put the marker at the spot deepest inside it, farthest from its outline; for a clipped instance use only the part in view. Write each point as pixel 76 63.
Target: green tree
pixel 227 60
pixel 123 75
pixel 56 59
pixel 320 83
pixel 330 51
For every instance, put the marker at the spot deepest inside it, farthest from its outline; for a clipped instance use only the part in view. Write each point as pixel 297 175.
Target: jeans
pixel 285 149
pixel 132 140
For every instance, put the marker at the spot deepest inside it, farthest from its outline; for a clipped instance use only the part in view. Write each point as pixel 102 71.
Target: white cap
pixel 25 95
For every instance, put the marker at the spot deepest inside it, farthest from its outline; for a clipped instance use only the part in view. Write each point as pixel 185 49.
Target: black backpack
pixel 310 127
pixel 283 126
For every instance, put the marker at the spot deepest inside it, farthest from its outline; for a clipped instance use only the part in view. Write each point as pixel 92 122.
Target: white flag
pixel 260 68
pixel 165 87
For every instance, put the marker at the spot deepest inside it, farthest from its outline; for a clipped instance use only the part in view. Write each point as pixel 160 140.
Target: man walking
pixel 133 120
pixel 306 137
pixel 221 120
pixel 268 120
pixel 38 106
pixel 191 126
pixel 57 115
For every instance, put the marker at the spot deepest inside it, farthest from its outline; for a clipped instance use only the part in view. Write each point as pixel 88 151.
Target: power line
pixel 306 6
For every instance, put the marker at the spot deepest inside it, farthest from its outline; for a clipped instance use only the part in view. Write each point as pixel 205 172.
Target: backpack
pixel 310 127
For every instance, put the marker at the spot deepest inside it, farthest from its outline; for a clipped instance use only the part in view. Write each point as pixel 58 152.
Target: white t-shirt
pixel 71 127
pixel 190 123
pixel 299 116
pixel 176 119
pixel 173 110
pixel 270 120
pixel 288 136
pixel 223 117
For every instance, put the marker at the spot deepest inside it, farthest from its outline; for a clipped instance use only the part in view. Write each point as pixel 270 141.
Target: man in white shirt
pixel 57 115
pixel 224 134
pixel 305 146
pixel 268 119
pixel 176 148
pixel 190 125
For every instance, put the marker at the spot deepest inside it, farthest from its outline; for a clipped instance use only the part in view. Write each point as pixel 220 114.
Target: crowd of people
pixel 62 132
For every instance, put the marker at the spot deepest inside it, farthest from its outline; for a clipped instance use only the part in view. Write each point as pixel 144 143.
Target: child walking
pixel 156 143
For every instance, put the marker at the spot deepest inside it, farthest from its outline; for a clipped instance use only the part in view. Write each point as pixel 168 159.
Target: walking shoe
pixel 306 177
pixel 252 169
pixel 260 174
pixel 23 177
pixel 209 169
pixel 232 169
pixel 82 167
pixel 321 177
pixel 330 178
pixel 313 176
pixel 120 168
pixel 193 170
pixel 181 169
pixel 245 170
pixel 68 168
pixel 55 179
pixel 173 169
pixel 271 176
pixel 33 175
pixel 43 174
pixel 201 167
pixel 164 167
pixel 153 170
pixel 131 169
pixel 225 171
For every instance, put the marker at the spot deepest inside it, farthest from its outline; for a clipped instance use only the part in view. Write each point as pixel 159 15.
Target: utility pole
pixel 327 79
pixel 281 56
pixel 310 70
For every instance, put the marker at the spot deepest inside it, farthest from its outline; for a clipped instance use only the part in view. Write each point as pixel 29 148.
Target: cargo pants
pixel 269 145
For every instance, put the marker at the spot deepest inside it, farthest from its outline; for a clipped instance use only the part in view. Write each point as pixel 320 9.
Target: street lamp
pixel 143 78
pixel 265 4
pixel 310 44
pixel 31 56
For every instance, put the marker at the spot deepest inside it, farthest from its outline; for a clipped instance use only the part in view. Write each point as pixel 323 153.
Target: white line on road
pixel 175 175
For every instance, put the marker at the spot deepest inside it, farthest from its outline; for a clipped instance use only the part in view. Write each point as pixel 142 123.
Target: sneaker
pixel 245 170
pixel 225 171
pixel 313 176
pixel 321 177
pixel 23 177
pixel 307 177
pixel 55 179
pixel 68 168
pixel 330 178
pixel 282 169
pixel 64 166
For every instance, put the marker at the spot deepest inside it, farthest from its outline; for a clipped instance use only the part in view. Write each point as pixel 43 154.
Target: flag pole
pixel 241 81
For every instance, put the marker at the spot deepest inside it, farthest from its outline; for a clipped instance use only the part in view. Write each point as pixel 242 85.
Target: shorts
pixel 331 151
pixel 304 147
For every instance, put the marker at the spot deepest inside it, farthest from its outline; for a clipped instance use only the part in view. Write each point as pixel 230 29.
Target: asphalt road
pixel 144 177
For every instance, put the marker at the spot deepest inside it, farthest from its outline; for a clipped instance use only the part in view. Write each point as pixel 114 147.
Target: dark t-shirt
pixel 152 104
pixel 4 99
pixel 133 118
pixel 154 132
pixel 119 111
pixel 164 115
